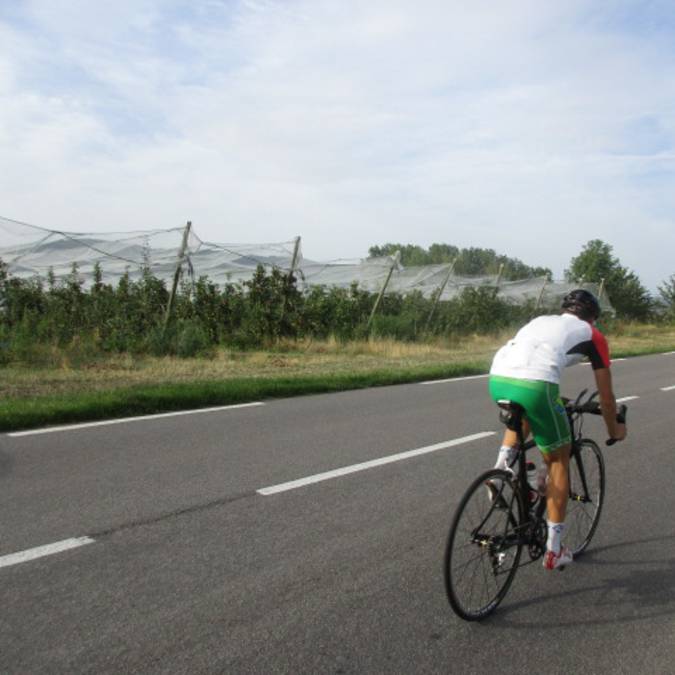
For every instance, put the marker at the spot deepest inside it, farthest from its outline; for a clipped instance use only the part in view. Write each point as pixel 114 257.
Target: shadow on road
pixel 633 589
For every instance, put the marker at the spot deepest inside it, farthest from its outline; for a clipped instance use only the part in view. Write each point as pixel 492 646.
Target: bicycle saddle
pixel 512 413
pixel 510 406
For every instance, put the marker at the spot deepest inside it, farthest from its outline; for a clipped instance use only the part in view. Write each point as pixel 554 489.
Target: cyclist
pixel 527 371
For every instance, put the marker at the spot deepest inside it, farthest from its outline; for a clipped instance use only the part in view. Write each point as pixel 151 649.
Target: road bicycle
pixel 502 513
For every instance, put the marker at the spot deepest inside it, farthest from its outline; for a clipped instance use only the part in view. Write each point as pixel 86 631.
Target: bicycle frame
pixel 525 530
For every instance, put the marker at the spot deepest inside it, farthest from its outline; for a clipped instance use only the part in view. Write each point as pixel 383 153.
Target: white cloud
pixel 520 126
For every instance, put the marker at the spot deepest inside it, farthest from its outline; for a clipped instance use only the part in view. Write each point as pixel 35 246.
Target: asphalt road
pixel 193 566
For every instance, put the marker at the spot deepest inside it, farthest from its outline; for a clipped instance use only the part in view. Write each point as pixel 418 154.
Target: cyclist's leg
pixel 507 451
pixel 510 439
pixel 557 494
pixel 557 487
pixel 551 431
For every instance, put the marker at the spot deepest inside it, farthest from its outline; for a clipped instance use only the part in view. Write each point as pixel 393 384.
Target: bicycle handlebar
pixel 593 408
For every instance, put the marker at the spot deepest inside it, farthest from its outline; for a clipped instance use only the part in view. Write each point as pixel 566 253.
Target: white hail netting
pixel 235 263
pixel 370 274
pixel 31 251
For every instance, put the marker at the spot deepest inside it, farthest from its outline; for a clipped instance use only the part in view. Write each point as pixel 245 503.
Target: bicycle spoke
pixel 468 562
pixel 473 579
pixel 584 512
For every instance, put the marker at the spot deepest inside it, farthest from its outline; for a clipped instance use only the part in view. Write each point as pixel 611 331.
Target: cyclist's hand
pixel 620 433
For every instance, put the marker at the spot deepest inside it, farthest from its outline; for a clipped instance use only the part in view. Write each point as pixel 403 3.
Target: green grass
pixel 26 413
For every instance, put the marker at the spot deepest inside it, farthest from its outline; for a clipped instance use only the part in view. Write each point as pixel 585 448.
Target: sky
pixel 524 126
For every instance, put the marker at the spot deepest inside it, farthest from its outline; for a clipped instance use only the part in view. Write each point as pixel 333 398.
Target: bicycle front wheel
pixel 587 493
pixel 484 545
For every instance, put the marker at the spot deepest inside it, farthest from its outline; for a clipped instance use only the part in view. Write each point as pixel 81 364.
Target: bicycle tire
pixel 585 504
pixel 493 551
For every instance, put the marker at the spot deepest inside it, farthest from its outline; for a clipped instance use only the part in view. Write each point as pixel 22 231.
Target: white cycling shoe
pixel 558 561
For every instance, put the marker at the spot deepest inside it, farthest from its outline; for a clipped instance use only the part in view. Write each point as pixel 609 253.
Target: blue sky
pixel 526 127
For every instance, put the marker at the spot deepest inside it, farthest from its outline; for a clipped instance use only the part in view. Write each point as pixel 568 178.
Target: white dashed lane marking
pixel 301 482
pixel 42 551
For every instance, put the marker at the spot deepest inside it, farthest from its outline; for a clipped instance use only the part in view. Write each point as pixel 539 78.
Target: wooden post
pixel 176 275
pixel 541 293
pixel 394 263
pixel 437 297
pixel 499 278
pixel 294 262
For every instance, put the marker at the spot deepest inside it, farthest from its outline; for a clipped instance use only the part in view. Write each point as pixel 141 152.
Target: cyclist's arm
pixel 603 379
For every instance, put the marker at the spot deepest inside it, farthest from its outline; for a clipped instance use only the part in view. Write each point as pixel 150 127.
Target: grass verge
pixel 70 390
pixel 26 413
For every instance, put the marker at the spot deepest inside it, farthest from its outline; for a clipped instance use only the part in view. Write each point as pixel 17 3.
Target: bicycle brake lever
pixel 621 414
pixel 581 395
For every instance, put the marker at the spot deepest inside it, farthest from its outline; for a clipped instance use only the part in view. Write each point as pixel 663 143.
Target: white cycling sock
pixel 555 532
pixel 505 457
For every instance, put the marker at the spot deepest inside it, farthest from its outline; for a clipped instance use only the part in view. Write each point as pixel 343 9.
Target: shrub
pixel 193 340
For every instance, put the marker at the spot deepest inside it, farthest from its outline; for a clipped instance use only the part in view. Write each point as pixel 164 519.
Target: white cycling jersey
pixel 546 345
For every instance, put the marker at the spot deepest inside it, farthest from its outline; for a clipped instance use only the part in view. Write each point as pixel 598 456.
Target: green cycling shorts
pixel 543 409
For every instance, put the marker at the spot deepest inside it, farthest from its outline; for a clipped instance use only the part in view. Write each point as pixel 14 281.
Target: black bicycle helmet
pixel 582 303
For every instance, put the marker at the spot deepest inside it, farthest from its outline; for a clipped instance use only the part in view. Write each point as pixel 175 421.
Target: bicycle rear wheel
pixel 587 493
pixel 484 546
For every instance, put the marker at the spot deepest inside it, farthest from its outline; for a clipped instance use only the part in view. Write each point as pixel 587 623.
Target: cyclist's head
pixel 582 303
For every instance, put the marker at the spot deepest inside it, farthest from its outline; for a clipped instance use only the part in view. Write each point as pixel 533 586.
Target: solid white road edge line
pixel 626 398
pixel 668 388
pixel 455 379
pixel 292 485
pixel 124 420
pixel 41 551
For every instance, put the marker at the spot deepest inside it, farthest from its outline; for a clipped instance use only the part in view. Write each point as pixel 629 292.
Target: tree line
pixel 467 261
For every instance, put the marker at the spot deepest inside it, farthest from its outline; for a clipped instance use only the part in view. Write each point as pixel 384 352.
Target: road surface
pixel 306 536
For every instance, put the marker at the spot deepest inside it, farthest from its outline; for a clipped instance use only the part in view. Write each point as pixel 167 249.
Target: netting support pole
pixel 394 263
pixel 541 294
pixel 499 278
pixel 294 262
pixel 437 297
pixel 601 289
pixel 176 274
